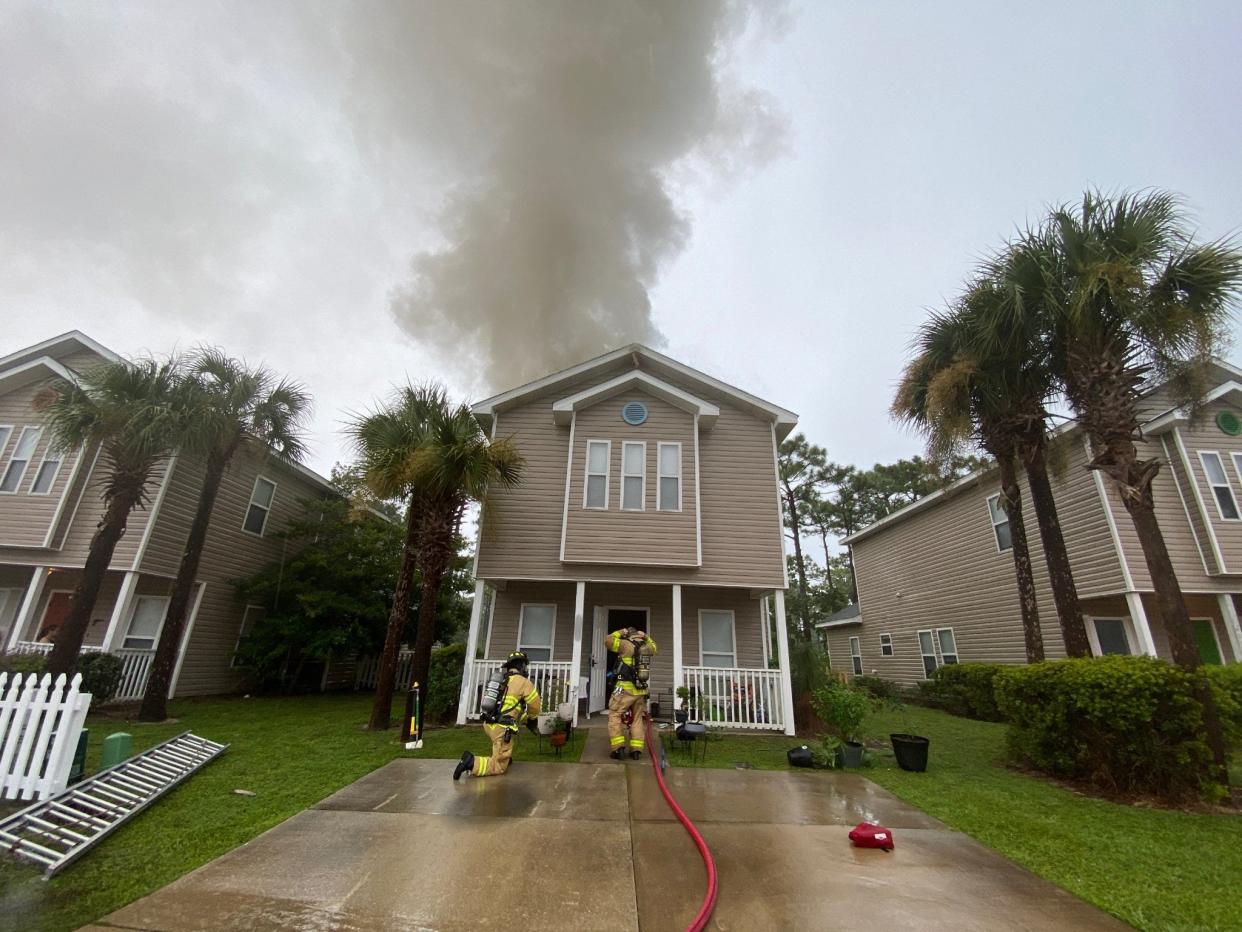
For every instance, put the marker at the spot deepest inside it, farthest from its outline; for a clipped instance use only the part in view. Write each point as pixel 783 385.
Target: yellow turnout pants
pixel 619 702
pixel 502 752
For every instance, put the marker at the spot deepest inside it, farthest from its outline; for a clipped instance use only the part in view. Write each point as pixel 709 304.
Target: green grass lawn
pixel 291 752
pixel 1153 868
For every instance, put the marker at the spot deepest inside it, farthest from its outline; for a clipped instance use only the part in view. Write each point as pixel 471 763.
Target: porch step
pixel 52 834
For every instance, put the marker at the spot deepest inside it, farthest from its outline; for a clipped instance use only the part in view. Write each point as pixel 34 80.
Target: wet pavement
pixel 593 846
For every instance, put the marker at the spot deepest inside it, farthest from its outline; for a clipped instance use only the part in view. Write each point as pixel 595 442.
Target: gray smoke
pixel 569 123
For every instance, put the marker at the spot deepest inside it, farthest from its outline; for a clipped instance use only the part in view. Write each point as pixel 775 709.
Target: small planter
pixel 680 716
pixel 559 738
pixel 910 751
pixel 546 723
pixel 849 754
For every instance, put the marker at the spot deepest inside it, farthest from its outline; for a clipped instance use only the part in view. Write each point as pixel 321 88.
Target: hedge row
pixel 101 673
pixel 967 689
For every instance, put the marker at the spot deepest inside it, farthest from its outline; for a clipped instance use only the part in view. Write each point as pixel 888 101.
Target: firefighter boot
pixel 635 755
pixel 464 765
pixel 617 753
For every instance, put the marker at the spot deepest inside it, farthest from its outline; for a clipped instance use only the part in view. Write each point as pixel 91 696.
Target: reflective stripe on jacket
pixel 625 647
pixel 520 703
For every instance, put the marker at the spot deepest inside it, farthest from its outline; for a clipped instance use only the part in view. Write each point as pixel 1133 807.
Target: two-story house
pixel 936 580
pixel 51 502
pixel 649 500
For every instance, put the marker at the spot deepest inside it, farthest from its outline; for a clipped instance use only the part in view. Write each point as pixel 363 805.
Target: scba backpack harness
pixel 638 672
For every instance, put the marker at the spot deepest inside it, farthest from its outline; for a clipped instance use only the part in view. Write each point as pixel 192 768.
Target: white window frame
pixel 1228 486
pixel 133 610
pixel 935 657
pixel 14 597
pixel 996 524
pixel 522 622
pixel 732 632
pixel 1127 630
pixel 957 653
pixel 642 499
pixel 50 450
pixel 17 486
pixel 1235 458
pixel 253 504
pixel 242 631
pixel 856 665
pixel 660 475
pixel 6 434
pixel 886 645
pixel 587 474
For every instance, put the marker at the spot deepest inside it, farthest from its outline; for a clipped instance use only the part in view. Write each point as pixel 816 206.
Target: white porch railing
pixel 39 727
pixel 554 680
pixel 733 697
pixel 41 647
pixel 135 666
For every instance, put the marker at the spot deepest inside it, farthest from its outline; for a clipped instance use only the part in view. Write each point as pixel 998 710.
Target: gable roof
pixel 563 410
pixel 850 615
pixel 648 360
pixel 57 347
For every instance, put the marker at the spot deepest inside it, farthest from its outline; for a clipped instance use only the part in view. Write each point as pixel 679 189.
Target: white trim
pixel 680 477
pixel 613 579
pixel 133 610
pixel 841 623
pixel 17 373
pixel 1229 614
pixel 1109 518
pixel 1203 513
pixel 472 647
pixel 267 509
pixel 491 622
pixel 1203 455
pixel 732 636
pixel 569 478
pixel 184 647
pixel 698 506
pixel 25 612
pixel 564 409
pixel 923 655
pixel 780 513
pixel 642 496
pixel 782 647
pixel 575 658
pixel 1181 497
pixel 60 462
pixel 7 431
pixel 679 672
pixel 856 661
pixel 957 651
pixel 478 531
pixel 54 343
pixel 1140 626
pixel 765 620
pixel 522 620
pixel 995 524
pixel 1220 650
pixel 1176 417
pixel 892 649
pixel 21 477
pixel 154 513
pixel 1093 635
pixel 241 629
pixel 611 562
pixel 587 474
pixel 79 457
pixel 120 609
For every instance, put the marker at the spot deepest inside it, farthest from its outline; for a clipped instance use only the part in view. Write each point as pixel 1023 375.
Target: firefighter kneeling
pixel 634 650
pixel 509 698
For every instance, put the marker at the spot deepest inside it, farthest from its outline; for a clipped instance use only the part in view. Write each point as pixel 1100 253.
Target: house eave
pixel 563 410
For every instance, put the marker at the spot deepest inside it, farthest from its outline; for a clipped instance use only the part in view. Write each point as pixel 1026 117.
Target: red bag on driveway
pixel 871 835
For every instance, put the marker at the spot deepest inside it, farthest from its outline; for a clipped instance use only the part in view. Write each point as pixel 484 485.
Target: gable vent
pixel 635 412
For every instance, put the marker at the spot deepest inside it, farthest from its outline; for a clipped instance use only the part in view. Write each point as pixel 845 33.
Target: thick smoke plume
pixel 568 123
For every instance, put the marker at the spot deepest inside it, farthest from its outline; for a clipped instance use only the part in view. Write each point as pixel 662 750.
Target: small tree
pixel 801 472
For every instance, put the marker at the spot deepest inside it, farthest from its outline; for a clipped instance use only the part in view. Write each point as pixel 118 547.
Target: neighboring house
pixel 848 617
pixel 51 503
pixel 936 580
pixel 650 500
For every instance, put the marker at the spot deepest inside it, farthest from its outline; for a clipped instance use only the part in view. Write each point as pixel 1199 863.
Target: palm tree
pixel 233 409
pixel 950 397
pixel 134 412
pixel 1131 296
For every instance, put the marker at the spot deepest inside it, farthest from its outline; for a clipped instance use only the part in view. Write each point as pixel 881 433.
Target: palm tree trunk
pixel 381 708
pixel 155 696
pixel 437 551
pixel 1060 575
pixel 1028 606
pixel 64 656
pixel 795 523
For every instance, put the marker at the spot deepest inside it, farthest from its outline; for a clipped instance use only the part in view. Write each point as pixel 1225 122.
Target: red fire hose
pixel 709 900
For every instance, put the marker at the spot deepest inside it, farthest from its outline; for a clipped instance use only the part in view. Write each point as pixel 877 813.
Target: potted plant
pixel 560 732
pixel 682 713
pixel 843 709
pixel 909 749
pixel 546 722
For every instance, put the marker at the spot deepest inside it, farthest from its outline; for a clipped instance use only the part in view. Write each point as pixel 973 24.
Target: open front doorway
pixel 606 620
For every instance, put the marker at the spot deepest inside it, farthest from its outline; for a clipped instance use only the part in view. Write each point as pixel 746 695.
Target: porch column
pixel 119 612
pixel 25 614
pixel 765 620
pixel 1229 612
pixel 782 650
pixel 575 663
pixel 472 648
pixel 679 674
pixel 1138 615
pixel 184 646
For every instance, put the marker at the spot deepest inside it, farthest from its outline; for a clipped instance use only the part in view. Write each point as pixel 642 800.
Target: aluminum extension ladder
pixel 57 831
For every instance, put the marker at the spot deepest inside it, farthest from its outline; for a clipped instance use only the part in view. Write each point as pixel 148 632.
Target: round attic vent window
pixel 1229 422
pixel 634 412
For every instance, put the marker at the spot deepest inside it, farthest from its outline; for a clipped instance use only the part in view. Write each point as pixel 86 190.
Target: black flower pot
pixel 680 715
pixel 910 751
pixel 849 754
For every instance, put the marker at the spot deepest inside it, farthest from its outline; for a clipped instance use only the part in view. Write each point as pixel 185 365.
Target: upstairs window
pixel 717 643
pixel 22 453
pixel 670 477
pixel 595 495
pixel 1214 469
pixel 537 631
pixel 1000 524
pixel 260 506
pixel 886 645
pixel 856 656
pixel 145 622
pixel 45 478
pixel 633 475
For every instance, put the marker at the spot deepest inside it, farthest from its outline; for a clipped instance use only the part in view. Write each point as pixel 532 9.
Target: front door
pixel 607 620
pixel 54 616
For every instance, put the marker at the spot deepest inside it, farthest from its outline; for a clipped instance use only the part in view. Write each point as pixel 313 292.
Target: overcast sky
pixel 360 195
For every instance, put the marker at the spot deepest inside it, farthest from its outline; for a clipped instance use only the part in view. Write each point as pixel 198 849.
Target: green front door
pixel 1205 637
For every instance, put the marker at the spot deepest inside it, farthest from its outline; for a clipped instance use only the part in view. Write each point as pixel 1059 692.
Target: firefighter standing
pixel 634 649
pixel 520 703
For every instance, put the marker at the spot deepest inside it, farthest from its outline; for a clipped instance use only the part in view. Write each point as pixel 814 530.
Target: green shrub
pixel 23 664
pixel 1122 724
pixel 842 708
pixel 444 683
pixel 876 688
pixel 965 689
pixel 1227 686
pixel 101 675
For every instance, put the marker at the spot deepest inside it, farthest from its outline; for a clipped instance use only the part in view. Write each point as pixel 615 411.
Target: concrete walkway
pixel 593 846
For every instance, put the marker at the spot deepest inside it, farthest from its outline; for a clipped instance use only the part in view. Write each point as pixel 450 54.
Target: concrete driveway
pixel 592 846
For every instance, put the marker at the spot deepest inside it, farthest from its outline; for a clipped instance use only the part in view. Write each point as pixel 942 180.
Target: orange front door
pixel 54 616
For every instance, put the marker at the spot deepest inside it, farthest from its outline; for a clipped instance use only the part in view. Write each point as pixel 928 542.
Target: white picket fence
pixel 39 726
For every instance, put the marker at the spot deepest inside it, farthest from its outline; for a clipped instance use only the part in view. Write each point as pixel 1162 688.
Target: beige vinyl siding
pixel 1199 606
pixel 747 623
pixel 1185 529
pixel 68 580
pixel 90 511
pixel 613 535
pixel 740 520
pixel 503 636
pixel 25 519
pixel 172 524
pixel 1202 436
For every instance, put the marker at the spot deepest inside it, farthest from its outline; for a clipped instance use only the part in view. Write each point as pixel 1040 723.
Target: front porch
pixel 725 645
